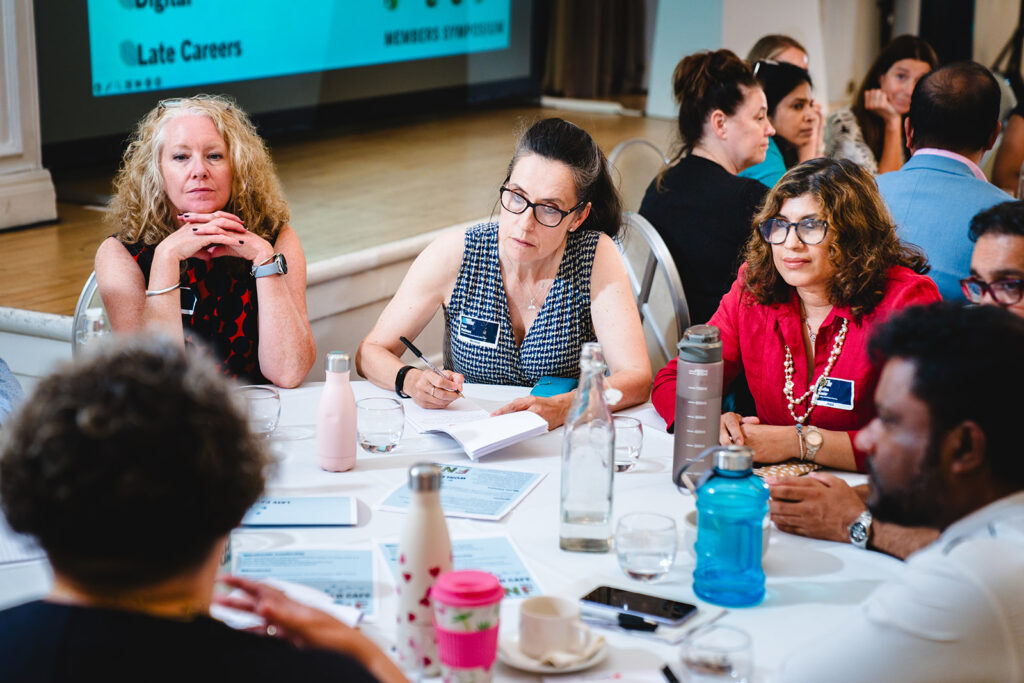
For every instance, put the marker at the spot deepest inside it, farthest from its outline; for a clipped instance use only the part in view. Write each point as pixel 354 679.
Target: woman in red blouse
pixel 822 269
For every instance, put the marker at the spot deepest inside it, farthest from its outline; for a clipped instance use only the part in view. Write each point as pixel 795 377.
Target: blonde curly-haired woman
pixel 203 250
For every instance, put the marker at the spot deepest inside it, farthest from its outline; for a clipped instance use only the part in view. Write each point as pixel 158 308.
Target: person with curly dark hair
pixel 130 469
pixel 823 267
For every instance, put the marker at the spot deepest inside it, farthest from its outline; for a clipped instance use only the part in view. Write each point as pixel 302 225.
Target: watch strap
pixel 275 265
pixel 400 381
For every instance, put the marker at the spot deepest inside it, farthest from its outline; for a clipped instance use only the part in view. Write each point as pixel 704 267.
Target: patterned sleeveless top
pixel 478 307
pixel 226 313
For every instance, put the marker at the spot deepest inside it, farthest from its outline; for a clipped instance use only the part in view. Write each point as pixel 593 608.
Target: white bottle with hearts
pixel 424 553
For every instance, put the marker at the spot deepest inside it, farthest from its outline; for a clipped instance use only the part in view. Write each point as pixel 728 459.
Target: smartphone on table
pixel 614 601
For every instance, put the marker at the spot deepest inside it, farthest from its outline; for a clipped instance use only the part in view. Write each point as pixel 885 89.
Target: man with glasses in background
pixel 997 264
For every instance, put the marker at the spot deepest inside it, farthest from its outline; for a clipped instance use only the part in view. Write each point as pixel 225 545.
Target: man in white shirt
pixel 944 452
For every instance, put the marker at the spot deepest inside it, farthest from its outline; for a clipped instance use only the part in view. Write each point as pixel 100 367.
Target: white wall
pixel 850 29
pixel 744 21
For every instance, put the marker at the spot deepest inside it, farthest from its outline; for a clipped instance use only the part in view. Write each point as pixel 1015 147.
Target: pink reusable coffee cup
pixel 466 608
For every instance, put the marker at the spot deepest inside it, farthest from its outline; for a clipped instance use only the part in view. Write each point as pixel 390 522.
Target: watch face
pixel 813 438
pixel 858 533
pixel 281 263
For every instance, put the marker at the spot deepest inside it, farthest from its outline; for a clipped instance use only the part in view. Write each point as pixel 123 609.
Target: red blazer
pixel 753 338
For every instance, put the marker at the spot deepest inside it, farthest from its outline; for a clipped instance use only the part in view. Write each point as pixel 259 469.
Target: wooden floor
pixel 347 190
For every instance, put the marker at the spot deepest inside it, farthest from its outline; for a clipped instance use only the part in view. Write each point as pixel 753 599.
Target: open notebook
pixel 476 431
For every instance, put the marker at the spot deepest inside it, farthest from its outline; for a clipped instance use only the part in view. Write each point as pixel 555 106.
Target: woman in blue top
pixel 522 295
pixel 794 116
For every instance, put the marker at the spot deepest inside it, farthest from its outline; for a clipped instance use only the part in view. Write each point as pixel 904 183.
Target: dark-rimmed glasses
pixel 809 230
pixel 547 215
pixel 1006 292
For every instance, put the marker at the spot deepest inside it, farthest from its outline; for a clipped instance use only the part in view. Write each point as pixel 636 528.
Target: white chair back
pixel 657 287
pixel 636 162
pixel 90 306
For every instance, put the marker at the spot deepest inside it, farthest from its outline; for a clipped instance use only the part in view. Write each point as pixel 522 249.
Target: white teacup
pixel 547 623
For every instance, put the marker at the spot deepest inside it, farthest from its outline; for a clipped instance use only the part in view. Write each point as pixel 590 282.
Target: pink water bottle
pixel 336 417
pixel 467 605
pixel 424 553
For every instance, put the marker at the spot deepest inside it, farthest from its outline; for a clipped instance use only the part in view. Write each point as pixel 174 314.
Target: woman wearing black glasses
pixel 823 267
pixel 522 295
pixel 203 250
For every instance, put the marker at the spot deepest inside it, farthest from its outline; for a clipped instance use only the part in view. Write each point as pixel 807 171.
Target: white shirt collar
pixel 983 520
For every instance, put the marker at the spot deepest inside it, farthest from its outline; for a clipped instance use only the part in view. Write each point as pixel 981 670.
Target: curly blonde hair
pixel 140 209
pixel 864 243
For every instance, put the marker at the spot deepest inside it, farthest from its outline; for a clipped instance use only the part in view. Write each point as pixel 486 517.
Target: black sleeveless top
pixel 225 311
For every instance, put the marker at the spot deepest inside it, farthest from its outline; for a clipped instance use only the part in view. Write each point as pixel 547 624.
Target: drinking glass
pixel 629 437
pixel 380 422
pixel 264 408
pixel 716 654
pixel 646 545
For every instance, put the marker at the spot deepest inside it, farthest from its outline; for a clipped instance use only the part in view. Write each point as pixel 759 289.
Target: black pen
pixel 412 347
pixel 669 676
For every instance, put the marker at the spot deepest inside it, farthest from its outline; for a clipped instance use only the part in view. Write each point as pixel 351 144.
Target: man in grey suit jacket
pixel 953 120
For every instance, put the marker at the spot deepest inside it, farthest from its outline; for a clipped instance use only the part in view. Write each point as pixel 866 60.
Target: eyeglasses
pixel 1004 292
pixel 546 215
pixel 808 230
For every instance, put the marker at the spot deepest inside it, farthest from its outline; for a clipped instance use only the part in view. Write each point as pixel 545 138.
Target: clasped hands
pixel 430 390
pixel 770 443
pixel 207 236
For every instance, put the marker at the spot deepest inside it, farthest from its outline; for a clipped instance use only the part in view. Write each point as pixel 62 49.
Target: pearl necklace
pixel 815 389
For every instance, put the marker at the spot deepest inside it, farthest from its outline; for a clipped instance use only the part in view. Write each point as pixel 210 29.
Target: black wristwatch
pixel 400 381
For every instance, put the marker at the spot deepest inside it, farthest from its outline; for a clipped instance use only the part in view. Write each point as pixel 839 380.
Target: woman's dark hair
pixel 558 140
pixel 704 82
pixel 778 79
pixel 902 47
pixel 129 467
pixel 771 46
pixel 863 245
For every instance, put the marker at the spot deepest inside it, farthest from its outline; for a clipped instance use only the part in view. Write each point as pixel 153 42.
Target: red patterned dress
pixel 219 310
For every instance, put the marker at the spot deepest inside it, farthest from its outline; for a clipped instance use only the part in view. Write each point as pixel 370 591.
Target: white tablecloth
pixel 812 586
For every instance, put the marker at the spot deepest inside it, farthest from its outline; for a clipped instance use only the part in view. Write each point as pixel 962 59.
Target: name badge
pixel 188 301
pixel 478 331
pixel 836 393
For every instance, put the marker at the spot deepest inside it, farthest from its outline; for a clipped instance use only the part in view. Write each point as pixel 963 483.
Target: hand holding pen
pixel 433 388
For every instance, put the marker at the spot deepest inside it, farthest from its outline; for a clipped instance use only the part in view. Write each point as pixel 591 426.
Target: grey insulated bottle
pixel 698 397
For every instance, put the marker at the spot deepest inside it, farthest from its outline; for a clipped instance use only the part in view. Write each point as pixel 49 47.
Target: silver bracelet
pixel 158 292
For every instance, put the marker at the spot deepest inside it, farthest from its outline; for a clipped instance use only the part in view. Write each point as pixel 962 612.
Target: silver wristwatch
pixel 860 530
pixel 275 265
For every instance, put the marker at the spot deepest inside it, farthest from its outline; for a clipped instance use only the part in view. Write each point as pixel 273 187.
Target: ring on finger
pixel 432 387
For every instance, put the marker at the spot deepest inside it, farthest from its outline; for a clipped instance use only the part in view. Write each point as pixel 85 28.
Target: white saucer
pixel 509 654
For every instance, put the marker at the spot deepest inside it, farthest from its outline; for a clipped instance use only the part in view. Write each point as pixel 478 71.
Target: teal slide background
pixel 140 45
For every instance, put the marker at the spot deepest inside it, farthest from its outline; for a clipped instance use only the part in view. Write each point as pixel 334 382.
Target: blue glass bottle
pixel 731 506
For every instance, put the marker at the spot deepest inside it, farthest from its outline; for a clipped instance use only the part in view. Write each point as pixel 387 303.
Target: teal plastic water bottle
pixel 731 506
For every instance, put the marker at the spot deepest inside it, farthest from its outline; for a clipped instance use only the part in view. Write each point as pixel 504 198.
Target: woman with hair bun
pixel 870 131
pixel 523 294
pixel 204 252
pixel 698 205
